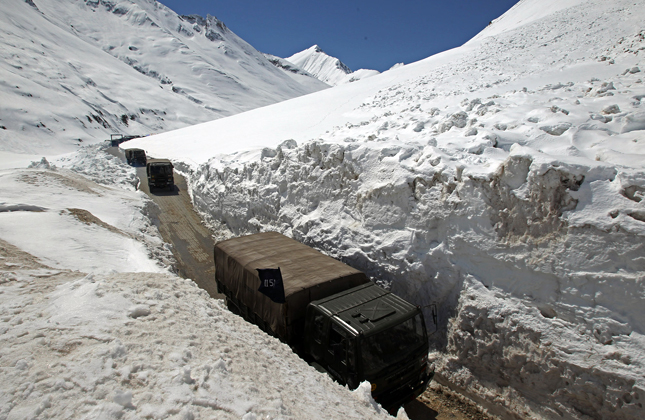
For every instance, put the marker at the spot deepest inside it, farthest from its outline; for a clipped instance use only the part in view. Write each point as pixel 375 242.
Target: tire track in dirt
pixel 181 226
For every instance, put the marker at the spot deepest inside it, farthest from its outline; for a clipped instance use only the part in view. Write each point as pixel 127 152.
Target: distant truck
pixel 328 312
pixel 160 175
pixel 136 157
pixel 117 139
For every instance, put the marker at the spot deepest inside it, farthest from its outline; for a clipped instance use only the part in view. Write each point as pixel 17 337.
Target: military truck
pixel 136 157
pixel 117 139
pixel 328 312
pixel 160 175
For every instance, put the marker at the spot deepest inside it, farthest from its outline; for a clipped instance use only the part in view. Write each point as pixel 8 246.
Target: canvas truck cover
pixel 306 273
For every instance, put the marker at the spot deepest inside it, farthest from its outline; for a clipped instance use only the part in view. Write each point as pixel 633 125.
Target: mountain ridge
pixel 131 67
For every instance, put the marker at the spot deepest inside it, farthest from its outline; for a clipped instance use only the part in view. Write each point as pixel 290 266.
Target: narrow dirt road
pixel 180 226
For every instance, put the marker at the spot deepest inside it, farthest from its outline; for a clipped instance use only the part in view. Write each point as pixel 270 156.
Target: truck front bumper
pixel 397 397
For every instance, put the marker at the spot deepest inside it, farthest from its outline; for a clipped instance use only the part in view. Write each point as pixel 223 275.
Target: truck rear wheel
pixel 232 306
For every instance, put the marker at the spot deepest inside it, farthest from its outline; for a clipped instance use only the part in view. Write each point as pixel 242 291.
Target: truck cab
pixel 135 157
pixel 160 174
pixel 369 334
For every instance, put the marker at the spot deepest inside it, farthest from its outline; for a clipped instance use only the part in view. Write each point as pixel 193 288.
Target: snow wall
pixel 511 279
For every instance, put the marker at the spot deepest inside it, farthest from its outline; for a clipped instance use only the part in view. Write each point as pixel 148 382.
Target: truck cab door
pixel 341 355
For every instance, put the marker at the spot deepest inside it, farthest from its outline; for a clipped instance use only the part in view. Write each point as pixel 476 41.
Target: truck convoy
pixel 160 175
pixel 328 312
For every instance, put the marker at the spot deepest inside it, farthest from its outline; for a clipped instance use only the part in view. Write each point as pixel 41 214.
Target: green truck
pixel 136 157
pixel 160 174
pixel 328 312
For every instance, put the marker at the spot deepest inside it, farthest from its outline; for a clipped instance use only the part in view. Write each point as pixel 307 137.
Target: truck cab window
pixel 392 345
pixel 318 326
pixel 338 343
pixel 351 355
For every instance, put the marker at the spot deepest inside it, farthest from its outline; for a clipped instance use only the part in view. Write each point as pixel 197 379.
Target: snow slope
pixel 502 181
pixel 132 67
pixel 327 68
pixel 94 325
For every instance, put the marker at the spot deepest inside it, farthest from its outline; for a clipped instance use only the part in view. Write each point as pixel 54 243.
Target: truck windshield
pixel 160 170
pixel 392 345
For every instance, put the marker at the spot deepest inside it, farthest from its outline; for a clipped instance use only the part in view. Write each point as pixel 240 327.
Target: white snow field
pixel 502 181
pixel 94 325
pixel 75 71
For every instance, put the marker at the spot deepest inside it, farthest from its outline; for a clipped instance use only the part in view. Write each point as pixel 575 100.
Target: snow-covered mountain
pixel 296 72
pixel 76 71
pixel 327 68
pixel 501 182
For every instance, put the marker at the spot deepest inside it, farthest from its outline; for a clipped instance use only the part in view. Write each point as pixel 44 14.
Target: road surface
pixel 181 226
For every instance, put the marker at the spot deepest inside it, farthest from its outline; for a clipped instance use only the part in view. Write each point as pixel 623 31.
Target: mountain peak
pixel 326 68
pixel 322 66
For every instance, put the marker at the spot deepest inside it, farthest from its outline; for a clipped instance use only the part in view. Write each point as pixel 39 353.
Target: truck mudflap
pixel 409 389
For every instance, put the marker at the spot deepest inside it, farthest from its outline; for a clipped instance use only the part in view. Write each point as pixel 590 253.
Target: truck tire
pixel 232 306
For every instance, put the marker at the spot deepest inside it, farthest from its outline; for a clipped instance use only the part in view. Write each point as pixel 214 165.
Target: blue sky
pixel 372 34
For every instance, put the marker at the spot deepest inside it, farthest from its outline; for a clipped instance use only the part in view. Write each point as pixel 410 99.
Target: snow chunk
pixel 123 398
pixel 138 311
pixel 633 122
pixel 43 164
pixel 611 109
pixel 364 394
pixel 557 129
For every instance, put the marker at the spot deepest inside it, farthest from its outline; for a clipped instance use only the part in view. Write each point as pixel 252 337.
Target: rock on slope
pixel 122 67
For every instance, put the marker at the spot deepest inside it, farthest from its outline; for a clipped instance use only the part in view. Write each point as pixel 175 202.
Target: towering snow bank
pixel 502 181
pixel 131 67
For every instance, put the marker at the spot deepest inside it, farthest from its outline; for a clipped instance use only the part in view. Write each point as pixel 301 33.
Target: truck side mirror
pixel 433 313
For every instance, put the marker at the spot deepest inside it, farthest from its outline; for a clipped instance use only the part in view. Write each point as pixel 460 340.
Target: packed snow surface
pixel 94 325
pixel 501 182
